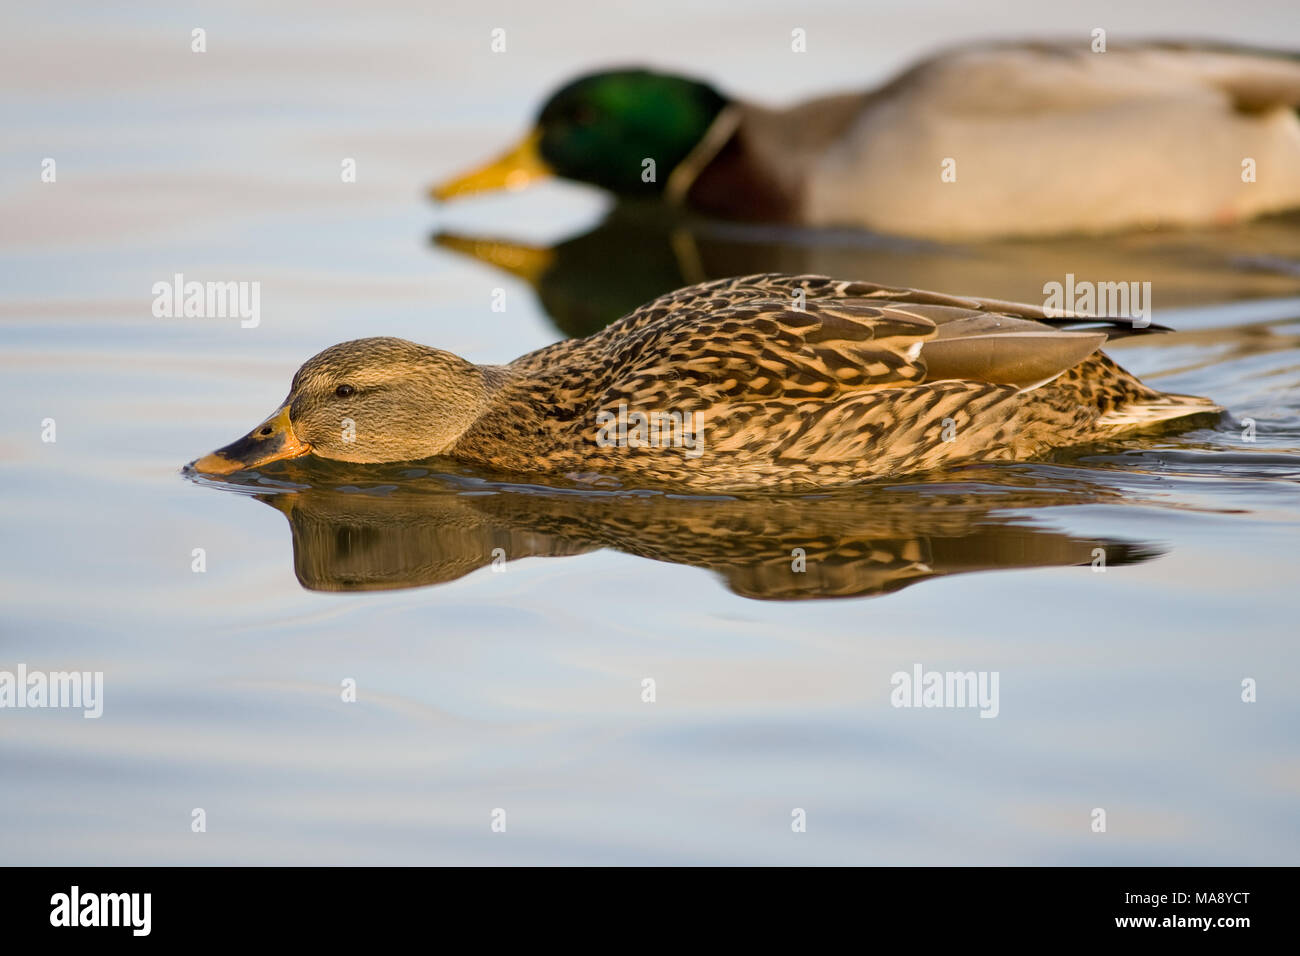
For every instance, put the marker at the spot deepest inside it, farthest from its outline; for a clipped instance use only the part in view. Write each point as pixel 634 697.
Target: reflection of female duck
pixel 1006 140
pixel 857 542
pixel 770 381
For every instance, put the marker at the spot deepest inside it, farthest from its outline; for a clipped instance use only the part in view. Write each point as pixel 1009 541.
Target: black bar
pixel 963 904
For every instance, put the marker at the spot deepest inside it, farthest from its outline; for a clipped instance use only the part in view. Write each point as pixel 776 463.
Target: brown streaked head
pixel 368 400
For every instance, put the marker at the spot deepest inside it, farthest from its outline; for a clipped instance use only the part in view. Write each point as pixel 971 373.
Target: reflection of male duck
pixel 1017 139
pixel 587 281
pixel 873 540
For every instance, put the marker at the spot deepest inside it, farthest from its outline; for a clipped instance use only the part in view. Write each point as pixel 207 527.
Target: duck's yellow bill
pixel 516 169
pixel 527 262
pixel 270 441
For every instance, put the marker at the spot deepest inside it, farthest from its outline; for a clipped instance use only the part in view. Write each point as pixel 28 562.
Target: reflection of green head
pixel 601 128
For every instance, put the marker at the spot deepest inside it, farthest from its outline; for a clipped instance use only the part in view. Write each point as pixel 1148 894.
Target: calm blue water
pixel 521 689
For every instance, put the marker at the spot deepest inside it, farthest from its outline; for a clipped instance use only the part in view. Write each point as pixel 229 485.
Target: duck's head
pixel 601 129
pixel 368 400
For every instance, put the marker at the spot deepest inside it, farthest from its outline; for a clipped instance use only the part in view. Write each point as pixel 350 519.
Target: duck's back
pixel 805 381
pixel 1037 139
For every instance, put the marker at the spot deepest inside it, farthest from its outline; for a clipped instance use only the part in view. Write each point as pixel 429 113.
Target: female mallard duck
pixel 1008 140
pixel 763 381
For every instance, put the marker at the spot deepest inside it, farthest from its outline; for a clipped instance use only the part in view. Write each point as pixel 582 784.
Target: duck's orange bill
pixel 514 170
pixel 270 441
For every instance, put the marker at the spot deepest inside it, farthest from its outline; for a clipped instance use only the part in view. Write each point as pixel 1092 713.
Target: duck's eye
pixel 584 116
pixel 343 391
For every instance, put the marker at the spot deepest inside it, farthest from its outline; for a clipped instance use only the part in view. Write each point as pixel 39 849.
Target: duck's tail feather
pixel 1152 413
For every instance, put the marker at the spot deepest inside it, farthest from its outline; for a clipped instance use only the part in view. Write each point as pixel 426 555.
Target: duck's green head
pixel 604 129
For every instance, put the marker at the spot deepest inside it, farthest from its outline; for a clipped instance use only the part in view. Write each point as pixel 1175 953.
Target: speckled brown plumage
pixel 772 381
pixel 421 530
pixel 792 394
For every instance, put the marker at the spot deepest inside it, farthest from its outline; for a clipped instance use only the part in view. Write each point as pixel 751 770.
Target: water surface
pixel 518 683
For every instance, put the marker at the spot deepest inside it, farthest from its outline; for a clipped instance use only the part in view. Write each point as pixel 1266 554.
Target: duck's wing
pixel 1255 78
pixel 1037 76
pixel 946 308
pixel 810 338
pixel 1027 139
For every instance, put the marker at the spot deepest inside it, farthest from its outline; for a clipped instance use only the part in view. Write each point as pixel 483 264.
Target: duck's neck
pixel 495 378
pixel 524 412
pixel 761 170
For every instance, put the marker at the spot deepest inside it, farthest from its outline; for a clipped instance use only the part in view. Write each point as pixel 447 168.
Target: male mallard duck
pixel 761 381
pixel 1016 139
